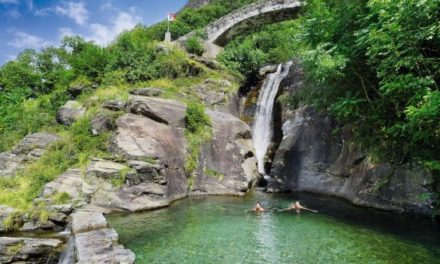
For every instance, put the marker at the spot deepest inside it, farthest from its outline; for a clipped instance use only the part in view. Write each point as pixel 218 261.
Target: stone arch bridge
pixel 245 19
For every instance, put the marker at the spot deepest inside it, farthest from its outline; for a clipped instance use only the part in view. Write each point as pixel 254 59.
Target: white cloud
pixel 103 35
pixel 8 1
pixel 63 32
pixel 24 40
pixel 76 11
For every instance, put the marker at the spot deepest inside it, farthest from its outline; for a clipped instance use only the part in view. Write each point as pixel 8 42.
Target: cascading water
pixel 262 131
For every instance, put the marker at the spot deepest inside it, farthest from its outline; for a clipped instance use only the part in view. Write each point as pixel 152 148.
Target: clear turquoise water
pixel 217 230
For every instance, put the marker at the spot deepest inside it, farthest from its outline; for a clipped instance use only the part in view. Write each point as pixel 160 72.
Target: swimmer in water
pixel 258 208
pixel 297 207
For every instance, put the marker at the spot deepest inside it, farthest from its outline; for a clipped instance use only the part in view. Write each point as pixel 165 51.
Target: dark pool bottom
pixel 217 230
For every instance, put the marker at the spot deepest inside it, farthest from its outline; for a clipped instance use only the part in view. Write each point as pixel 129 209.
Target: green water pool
pixel 217 230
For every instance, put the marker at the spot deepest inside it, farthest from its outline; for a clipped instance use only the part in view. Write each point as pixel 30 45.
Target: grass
pixel 60 198
pixel 119 180
pixel 75 147
pixel 15 249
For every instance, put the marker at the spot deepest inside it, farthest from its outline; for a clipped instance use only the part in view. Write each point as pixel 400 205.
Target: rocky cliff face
pixel 311 157
pixel 149 150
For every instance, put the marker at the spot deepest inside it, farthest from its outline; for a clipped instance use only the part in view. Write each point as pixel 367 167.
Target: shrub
pixel 194 46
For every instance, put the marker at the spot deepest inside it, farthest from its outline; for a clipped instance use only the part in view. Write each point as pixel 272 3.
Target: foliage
pixel 375 65
pixel 60 198
pixel 196 119
pixel 76 146
pixel 13 221
pixel 272 44
pixel 198 132
pixel 194 46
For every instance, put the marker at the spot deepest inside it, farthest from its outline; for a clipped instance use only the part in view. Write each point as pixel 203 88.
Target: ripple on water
pixel 217 230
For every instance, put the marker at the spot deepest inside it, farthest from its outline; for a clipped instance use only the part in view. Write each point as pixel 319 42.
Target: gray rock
pixel 70 112
pixel 34 225
pixel 149 91
pixel 312 158
pixel 160 110
pixel 40 140
pixel 62 208
pixel 100 246
pixel 69 182
pixel 78 88
pixel 114 105
pixel 105 169
pixel 29 149
pixel 145 172
pixel 83 221
pixel 210 63
pixel 138 137
pixel 267 70
pixel 29 250
pixel 213 92
pixel 227 164
pixel 102 123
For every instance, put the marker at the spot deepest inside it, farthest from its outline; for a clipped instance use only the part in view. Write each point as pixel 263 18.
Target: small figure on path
pixel 297 207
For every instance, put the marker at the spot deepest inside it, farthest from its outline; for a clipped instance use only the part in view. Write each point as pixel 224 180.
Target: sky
pixel 40 23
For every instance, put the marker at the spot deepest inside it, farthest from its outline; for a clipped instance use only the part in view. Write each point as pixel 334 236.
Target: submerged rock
pixel 70 112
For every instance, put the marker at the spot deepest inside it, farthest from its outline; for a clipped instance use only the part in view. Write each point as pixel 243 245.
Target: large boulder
pixel 29 149
pixel 169 112
pixel 29 250
pixel 94 242
pixel 101 123
pixel 227 164
pixel 70 112
pixel 69 182
pixel 83 221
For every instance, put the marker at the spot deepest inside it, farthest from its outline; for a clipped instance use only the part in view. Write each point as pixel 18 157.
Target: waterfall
pixel 68 256
pixel 262 131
